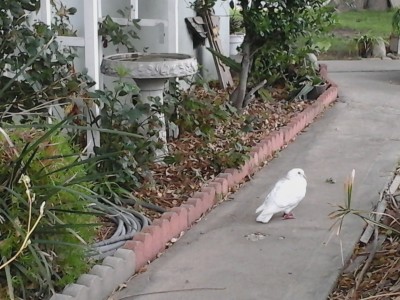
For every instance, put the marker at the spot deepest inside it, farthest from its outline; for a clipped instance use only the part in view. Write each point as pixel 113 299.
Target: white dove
pixel 284 197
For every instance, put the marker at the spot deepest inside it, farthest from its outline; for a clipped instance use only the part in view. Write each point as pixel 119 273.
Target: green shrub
pixel 206 112
pixel 36 73
pixel 53 254
pixel 235 22
pixel 128 148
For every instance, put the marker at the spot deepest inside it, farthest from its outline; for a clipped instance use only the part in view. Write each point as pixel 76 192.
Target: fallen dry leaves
pixel 199 160
pixel 382 278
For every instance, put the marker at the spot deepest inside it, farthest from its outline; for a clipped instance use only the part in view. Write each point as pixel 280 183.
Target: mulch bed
pixel 199 159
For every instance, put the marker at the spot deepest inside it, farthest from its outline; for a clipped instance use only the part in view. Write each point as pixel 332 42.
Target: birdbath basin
pixel 150 71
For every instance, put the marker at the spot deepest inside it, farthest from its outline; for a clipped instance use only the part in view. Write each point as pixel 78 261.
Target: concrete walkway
pixel 217 260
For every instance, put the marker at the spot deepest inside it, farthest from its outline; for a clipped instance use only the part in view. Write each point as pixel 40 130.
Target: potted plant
pixel 394 36
pixel 368 44
pixel 319 86
pixel 310 87
pixel 236 30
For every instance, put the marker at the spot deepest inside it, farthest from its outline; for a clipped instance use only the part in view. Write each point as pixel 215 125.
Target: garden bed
pixel 199 160
pixel 203 195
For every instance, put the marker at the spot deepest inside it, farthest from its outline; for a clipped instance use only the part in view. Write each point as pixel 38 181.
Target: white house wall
pixel 204 56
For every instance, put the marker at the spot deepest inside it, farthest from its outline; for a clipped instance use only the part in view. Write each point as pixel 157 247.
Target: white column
pixel 92 10
pixel 45 12
pixel 92 45
pixel 44 15
pixel 153 88
pixel 134 10
pixel 173 26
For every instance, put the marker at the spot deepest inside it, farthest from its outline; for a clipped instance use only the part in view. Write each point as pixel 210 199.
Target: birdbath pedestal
pixel 150 71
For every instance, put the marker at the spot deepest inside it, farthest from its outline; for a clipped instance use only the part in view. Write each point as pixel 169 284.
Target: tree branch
pixel 250 95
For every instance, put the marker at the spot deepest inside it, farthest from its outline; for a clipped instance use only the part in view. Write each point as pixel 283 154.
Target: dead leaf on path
pixel 330 180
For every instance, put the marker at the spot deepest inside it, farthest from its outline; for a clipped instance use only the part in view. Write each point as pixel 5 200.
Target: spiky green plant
pixel 347 209
pixel 42 260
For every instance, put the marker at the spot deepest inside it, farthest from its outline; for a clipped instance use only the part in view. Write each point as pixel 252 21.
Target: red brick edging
pixel 102 279
pixel 152 240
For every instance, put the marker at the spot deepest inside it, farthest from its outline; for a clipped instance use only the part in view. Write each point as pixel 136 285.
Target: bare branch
pixel 250 95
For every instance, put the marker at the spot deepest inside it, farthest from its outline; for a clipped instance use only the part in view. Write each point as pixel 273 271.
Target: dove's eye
pixel 299 173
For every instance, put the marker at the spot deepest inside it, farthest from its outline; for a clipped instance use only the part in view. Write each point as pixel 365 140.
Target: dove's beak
pixel 304 175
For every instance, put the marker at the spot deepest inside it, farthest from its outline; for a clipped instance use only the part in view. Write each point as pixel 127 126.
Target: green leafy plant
pixel 235 22
pixel 61 20
pixel 43 249
pixel 278 36
pixel 203 111
pixel 40 167
pixel 200 6
pixel 127 157
pixel 366 42
pixel 30 227
pixel 193 113
pixel 396 22
pixel 117 34
pixel 34 71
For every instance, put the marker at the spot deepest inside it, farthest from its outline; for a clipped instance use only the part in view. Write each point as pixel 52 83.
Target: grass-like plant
pixel 369 217
pixel 42 249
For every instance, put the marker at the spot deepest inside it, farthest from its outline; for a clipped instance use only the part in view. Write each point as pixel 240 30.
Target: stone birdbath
pixel 151 71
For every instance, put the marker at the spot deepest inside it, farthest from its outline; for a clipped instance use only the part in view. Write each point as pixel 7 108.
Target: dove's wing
pixel 269 204
pixel 269 207
pixel 289 193
pixel 286 193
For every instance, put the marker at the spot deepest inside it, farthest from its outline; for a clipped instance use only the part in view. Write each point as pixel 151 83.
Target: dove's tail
pixel 264 217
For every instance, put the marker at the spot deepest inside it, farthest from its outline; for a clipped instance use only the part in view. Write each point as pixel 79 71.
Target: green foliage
pixel 365 43
pixel 396 22
pixel 235 22
pixel 51 259
pixel 193 112
pixel 33 69
pixel 229 62
pixel 284 35
pixel 205 113
pixel 61 23
pixel 370 218
pixel 36 73
pixel 363 21
pixel 351 24
pixel 279 35
pixel 126 157
pixel 201 6
pixel 112 32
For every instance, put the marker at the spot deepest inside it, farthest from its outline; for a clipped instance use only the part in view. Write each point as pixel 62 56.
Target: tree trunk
pixel 238 95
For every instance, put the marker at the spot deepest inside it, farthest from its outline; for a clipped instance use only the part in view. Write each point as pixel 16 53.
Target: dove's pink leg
pixel 288 216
